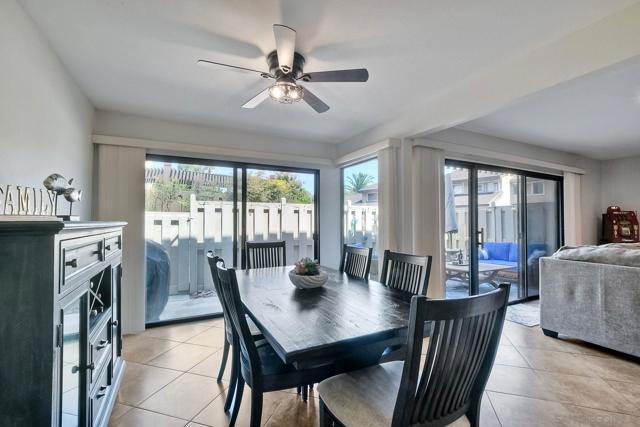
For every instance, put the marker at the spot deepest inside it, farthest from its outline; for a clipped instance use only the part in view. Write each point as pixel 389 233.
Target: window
pixel 360 207
pixel 196 206
pixel 458 189
pixel 535 188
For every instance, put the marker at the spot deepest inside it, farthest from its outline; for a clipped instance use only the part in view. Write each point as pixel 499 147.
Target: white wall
pixel 620 181
pixel 45 120
pixel 131 126
pixel 127 125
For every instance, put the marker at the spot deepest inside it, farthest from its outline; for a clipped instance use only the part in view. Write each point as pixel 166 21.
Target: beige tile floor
pixel 536 381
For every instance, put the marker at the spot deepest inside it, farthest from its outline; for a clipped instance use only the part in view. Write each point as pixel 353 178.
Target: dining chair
pixel 447 391
pixel 228 335
pixel 260 366
pixel 356 262
pixel 405 272
pixel 266 254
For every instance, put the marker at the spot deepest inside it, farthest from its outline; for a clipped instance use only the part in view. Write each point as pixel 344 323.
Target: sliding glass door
pixel 499 222
pixel 196 206
pixel 281 205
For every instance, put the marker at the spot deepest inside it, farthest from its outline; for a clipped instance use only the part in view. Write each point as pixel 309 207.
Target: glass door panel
pixel 281 205
pixel 543 227
pixel 457 232
pixel 74 319
pixel 189 211
pixel 499 231
pixel 360 210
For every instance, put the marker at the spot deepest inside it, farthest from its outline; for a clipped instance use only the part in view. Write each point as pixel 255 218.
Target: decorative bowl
pixel 308 282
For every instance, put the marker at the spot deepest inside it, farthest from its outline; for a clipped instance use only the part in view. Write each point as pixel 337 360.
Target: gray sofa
pixel 592 301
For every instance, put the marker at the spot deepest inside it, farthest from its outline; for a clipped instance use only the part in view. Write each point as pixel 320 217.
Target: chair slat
pixel 462 348
pixel 356 262
pixel 265 254
pixel 405 272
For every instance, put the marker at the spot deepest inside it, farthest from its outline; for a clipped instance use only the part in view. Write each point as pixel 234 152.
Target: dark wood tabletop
pixel 311 326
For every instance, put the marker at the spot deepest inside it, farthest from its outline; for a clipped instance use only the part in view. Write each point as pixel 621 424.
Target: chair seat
pixel 367 397
pixel 278 375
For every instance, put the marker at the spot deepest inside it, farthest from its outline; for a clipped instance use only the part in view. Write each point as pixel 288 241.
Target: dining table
pixel 348 322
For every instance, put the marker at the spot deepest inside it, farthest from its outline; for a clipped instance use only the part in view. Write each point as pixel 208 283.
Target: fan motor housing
pixel 274 66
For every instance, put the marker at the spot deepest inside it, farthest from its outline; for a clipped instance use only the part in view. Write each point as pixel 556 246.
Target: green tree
pixel 357 182
pixel 272 188
pixel 164 195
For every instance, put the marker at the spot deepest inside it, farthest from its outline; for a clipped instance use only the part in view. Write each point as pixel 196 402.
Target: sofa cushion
pixel 498 250
pixel 614 253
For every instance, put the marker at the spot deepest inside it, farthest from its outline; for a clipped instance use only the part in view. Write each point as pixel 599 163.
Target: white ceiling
pixel 597 116
pixel 138 56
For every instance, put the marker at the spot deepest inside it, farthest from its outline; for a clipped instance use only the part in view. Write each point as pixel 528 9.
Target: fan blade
pixel 257 100
pixel 357 75
pixel 285 46
pixel 205 63
pixel 313 101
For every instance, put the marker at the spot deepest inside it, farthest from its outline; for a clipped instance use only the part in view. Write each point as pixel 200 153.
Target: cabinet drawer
pixel 79 255
pixel 100 348
pixel 112 245
pixel 99 394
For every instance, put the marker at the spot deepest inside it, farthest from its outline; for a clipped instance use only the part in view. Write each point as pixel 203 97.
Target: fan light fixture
pixel 286 92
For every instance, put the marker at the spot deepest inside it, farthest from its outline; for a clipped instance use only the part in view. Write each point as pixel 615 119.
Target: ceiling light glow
pixel 286 92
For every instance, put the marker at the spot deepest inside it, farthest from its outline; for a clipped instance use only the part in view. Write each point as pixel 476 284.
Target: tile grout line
pixel 564 402
pixel 493 409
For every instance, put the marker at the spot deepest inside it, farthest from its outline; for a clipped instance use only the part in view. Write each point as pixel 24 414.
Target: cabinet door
pixel 73 330
pixel 116 280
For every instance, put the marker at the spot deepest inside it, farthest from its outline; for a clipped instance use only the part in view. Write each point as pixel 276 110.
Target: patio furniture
pixel 488 272
pixel 356 262
pixel 447 391
pixel 157 279
pixel 266 254
pixel 409 273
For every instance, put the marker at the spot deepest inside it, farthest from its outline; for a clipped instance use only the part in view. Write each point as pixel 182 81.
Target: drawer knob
pixel 72 263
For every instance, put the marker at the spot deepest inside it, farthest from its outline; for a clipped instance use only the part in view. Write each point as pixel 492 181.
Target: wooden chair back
pixel 409 273
pixel 462 349
pixel 266 254
pixel 213 261
pixel 234 309
pixel 356 262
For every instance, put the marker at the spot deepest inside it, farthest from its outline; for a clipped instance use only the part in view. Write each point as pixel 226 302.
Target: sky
pixel 370 167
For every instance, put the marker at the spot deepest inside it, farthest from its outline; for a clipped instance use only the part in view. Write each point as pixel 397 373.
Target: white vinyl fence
pixel 187 236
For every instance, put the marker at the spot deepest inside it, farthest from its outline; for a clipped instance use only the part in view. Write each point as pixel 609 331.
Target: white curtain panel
pixel 388 200
pixel 572 209
pixel 428 212
pixel 120 197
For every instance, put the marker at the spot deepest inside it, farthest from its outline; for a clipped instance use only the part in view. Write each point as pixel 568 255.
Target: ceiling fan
pixel 286 68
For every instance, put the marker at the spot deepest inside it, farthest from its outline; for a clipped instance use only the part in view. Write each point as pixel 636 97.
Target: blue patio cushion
pixel 514 254
pixel 498 250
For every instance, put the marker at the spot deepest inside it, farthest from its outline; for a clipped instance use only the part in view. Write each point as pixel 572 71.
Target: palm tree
pixel 357 182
